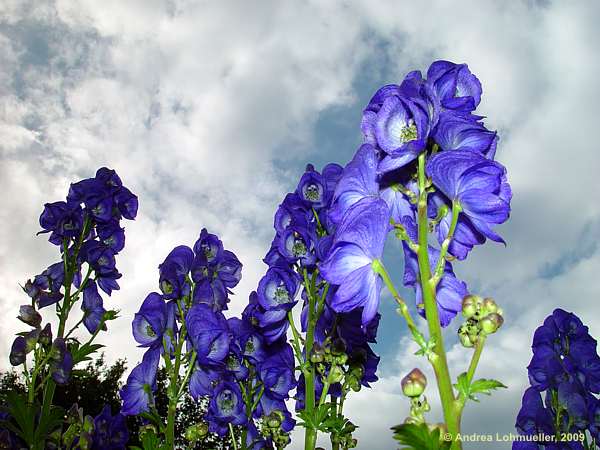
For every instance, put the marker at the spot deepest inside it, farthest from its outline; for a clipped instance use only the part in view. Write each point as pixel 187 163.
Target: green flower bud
pixel 316 357
pixel 46 335
pixel 340 360
pixel 489 305
pixel 352 443
pixel 491 323
pixel 465 339
pixel 414 384
pixel 470 305
pixel 336 374
pixel 196 432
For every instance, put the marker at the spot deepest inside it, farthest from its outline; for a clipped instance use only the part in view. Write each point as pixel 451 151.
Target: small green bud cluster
pixel 344 437
pixel 483 316
pixel 413 386
pixel 270 426
pixel 196 432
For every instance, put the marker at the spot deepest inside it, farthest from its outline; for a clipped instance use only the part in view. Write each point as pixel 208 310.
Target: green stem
pixel 173 382
pixel 439 268
pixel 475 358
pixel 234 442
pixel 296 343
pixel 439 362
pixel 310 435
pixel 379 268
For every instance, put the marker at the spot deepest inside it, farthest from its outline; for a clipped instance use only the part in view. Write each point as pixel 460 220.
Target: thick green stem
pixel 233 439
pixel 310 435
pixel 439 361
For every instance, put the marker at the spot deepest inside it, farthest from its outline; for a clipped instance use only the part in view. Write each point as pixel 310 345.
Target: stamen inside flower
pixel 166 287
pixel 150 332
pixel 281 294
pixel 226 401
pixel 312 192
pixel 299 248
pixel 408 132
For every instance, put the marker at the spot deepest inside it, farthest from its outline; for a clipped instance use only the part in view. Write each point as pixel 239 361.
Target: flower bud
pixel 414 384
pixel 340 360
pixel 46 335
pixel 336 374
pixel 195 432
pixel 491 323
pixel 29 315
pixel 17 351
pixel 465 339
pixel 470 305
pixel 31 339
pixel 275 419
pixel 489 305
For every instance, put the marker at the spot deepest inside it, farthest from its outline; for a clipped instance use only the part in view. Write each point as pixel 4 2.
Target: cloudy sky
pixel 210 110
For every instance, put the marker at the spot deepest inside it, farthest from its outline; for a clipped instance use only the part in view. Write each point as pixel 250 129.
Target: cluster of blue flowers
pixel 378 190
pixel 87 229
pixel 566 367
pixel 305 226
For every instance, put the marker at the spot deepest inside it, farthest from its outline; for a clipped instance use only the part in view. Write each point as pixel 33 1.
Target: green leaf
pixel 82 353
pixel 419 437
pixel 24 414
pixel 482 386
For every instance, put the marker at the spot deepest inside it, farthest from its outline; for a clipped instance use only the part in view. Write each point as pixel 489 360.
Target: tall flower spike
pixel 359 243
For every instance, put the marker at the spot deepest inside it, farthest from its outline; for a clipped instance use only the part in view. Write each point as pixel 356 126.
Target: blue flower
pixel 173 271
pixel 150 322
pixel 137 394
pixel 277 372
pixel 400 128
pixel 92 307
pixel 460 132
pixel 454 86
pixel 277 289
pixel 110 432
pixel 358 243
pixel 477 184
pixel 226 407
pixel 358 181
pixel 61 362
pixel 209 334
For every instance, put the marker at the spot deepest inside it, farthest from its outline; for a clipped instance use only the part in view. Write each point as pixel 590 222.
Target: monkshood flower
pixel 400 129
pixel 278 288
pixel 226 407
pixel 462 132
pixel 150 322
pixel 28 315
pixel 277 372
pixel 203 381
pixel 454 86
pixel 209 245
pixel 565 364
pixel 562 349
pixel 358 244
pixel 45 287
pixel 173 272
pixel 92 307
pixel 214 270
pixel 312 189
pixel 137 394
pixel 209 334
pixel 110 432
pixel 476 184
pixel 61 362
